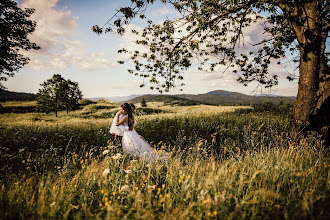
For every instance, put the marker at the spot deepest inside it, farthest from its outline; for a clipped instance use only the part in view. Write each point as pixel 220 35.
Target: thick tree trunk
pixel 311 112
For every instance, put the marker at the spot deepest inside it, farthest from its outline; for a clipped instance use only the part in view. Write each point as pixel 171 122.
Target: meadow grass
pixel 224 165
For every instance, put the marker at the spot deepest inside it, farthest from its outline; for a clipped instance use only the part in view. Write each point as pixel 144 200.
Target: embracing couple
pixel 133 144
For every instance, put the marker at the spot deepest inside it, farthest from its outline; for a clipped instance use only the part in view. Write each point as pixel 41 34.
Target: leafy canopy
pixel 209 33
pixel 57 94
pixel 15 27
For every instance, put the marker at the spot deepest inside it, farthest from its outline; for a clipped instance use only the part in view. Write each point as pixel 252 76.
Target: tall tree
pixel 57 94
pixel 209 32
pixel 15 27
pixel 72 96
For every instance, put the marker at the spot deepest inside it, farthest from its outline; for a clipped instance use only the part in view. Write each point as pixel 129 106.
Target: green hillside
pixel 167 99
pixel 217 97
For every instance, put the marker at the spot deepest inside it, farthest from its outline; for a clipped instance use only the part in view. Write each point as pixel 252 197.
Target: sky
pixel 70 48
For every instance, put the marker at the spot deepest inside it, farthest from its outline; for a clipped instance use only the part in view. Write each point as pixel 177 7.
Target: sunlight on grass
pixel 225 164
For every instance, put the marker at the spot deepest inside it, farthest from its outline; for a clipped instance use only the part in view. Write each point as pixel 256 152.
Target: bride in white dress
pixel 134 144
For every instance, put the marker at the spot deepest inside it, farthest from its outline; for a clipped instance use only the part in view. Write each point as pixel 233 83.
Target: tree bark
pixel 311 112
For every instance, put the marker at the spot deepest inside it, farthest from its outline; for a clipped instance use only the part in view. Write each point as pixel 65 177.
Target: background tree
pixel 209 32
pixel 143 103
pixel 72 96
pixel 58 94
pixel 15 27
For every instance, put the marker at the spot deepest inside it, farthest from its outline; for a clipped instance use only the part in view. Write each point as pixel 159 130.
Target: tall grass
pixel 269 183
pixel 235 165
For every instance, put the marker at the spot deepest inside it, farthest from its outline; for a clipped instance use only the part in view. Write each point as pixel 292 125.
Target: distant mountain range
pixel 117 99
pixel 217 97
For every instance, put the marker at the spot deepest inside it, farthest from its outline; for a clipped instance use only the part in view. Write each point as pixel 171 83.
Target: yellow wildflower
pixel 100 204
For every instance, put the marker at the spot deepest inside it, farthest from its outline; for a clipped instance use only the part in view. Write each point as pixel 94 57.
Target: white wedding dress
pixel 135 145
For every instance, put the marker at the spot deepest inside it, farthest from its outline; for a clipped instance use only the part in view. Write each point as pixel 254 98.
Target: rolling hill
pixel 217 97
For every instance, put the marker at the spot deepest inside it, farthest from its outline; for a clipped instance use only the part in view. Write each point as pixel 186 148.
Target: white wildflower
pixel 124 187
pixel 105 152
pixel 106 172
pixel 117 156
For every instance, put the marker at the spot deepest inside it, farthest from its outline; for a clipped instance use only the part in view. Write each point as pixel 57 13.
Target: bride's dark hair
pixel 128 109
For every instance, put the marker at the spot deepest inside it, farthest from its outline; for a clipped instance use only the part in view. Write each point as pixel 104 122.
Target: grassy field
pixel 226 163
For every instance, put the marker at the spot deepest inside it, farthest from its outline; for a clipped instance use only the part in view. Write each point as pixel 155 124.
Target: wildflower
pixel 181 177
pixel 75 186
pixel 137 188
pixel 128 171
pixel 117 156
pixel 106 204
pixel 159 190
pixel 100 204
pixel 163 186
pixel 106 172
pixel 216 199
pixel 167 196
pixel 154 187
pixel 180 180
pixel 124 187
pixel 215 213
pixel 105 152
pixel 86 154
pixel 82 161
pixel 114 193
pixel 102 191
pixel 188 177
pixel 208 213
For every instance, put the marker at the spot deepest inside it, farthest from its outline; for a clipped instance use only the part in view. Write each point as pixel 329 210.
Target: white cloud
pixel 164 11
pixel 56 35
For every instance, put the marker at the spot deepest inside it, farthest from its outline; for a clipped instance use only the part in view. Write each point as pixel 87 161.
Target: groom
pixel 116 135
